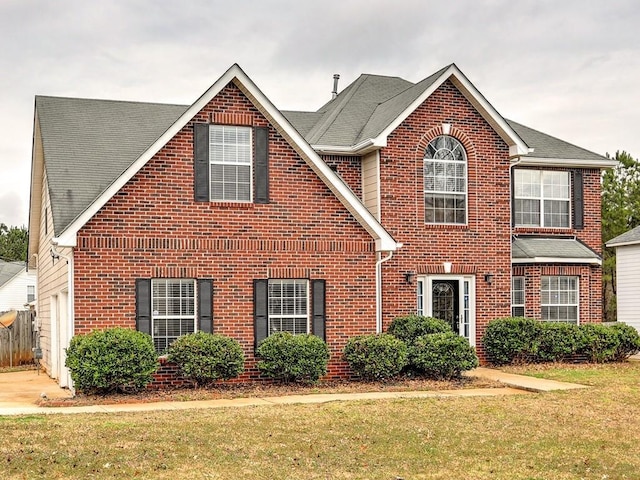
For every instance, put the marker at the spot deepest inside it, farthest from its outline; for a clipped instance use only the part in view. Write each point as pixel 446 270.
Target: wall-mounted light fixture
pixel 488 277
pixel 409 277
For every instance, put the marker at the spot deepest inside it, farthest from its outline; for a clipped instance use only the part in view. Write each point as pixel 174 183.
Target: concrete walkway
pixel 19 392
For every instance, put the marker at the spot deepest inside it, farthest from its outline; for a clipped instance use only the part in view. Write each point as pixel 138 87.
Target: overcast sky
pixel 569 68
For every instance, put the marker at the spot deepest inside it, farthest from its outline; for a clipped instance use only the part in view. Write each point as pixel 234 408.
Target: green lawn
pixel 578 434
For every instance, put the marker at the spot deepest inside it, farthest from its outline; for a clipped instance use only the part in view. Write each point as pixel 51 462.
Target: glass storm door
pixel 445 302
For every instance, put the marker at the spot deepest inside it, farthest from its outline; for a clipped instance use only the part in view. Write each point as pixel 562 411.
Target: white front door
pixel 450 298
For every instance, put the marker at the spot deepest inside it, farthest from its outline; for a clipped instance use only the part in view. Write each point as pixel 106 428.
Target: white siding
pixel 52 285
pixel 628 284
pixel 371 183
pixel 13 294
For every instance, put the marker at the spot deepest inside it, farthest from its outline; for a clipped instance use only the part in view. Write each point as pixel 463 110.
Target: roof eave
pixel 528 161
pixel 589 261
pixel 366 146
pixel 624 243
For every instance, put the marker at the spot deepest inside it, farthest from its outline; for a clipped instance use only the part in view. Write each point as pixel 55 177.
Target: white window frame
pixel 31 293
pixel 157 317
pixel 518 289
pixel 555 296
pixel 542 179
pixel 275 319
pixel 466 303
pixel 445 193
pixel 234 155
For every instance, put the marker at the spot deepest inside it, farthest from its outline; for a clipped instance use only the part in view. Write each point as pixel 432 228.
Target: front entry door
pixel 445 302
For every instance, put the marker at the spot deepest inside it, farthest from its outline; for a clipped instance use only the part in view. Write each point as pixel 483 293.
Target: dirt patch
pixel 248 390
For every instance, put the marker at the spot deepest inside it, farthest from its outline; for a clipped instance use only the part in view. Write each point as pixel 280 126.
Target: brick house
pixel 232 216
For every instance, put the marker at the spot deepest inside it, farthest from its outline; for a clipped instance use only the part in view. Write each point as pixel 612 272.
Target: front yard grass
pixel 579 434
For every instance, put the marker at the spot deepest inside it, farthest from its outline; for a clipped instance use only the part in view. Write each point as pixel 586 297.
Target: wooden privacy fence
pixel 17 341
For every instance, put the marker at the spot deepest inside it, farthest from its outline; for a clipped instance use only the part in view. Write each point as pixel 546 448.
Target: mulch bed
pixel 263 389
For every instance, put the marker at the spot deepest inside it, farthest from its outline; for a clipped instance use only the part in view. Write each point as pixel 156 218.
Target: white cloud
pixel 567 68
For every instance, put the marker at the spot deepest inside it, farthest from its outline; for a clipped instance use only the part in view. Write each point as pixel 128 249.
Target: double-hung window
pixel 542 198
pixel 230 158
pixel 288 306
pixel 517 296
pixel 173 310
pixel 31 293
pixel 559 298
pixel 445 181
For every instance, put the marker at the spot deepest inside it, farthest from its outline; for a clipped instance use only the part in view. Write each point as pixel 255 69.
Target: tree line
pixel 13 243
pixel 620 213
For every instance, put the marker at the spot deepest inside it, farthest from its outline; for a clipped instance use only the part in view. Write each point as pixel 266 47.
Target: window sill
pixel 232 205
pixel 544 230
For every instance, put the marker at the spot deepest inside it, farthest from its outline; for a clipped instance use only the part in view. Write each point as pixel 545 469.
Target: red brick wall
pixel 483 245
pixel 154 228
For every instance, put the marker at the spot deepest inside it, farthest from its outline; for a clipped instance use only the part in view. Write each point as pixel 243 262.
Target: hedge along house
pixel 234 217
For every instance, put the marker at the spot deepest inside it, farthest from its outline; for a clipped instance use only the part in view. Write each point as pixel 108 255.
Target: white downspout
pixel 379 263
pixel 70 302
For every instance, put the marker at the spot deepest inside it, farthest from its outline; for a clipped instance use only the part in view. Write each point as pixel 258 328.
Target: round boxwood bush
pixel 376 357
pixel 410 327
pixel 558 341
pixel 601 342
pixel 112 360
pixel 511 340
pixel 293 358
pixel 629 341
pixel 442 355
pixel 204 357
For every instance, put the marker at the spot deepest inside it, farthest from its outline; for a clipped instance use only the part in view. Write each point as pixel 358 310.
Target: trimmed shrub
pixel 293 358
pixel 600 344
pixel 511 340
pixel 376 356
pixel 410 327
pixel 629 341
pixel 111 360
pixel 204 357
pixel 442 355
pixel 558 341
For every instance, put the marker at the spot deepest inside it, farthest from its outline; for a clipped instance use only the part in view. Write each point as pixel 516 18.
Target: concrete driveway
pixel 25 387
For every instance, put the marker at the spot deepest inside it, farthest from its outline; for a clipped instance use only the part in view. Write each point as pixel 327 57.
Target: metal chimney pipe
pixel 334 93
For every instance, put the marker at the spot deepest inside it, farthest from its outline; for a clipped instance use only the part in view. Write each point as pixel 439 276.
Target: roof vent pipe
pixel 334 93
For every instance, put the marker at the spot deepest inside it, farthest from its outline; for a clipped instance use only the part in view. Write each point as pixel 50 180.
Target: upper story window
pixel 231 163
pixel 445 181
pixel 230 156
pixel 542 198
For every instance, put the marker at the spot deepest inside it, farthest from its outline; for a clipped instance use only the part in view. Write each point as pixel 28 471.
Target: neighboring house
pixel 17 286
pixel 627 248
pixel 231 216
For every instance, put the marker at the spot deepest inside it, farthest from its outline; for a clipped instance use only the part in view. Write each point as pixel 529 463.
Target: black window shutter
pixel 201 161
pixel 318 299
pixel 578 200
pixel 205 305
pixel 261 169
pixel 260 310
pixel 143 305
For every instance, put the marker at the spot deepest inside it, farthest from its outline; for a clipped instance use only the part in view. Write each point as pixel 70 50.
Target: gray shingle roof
pixel 630 237
pixel 530 248
pixel 8 270
pixel 89 143
pixel 361 111
pixel 546 146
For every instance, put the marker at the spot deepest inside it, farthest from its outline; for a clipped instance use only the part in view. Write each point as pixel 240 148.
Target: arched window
pixel 445 181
